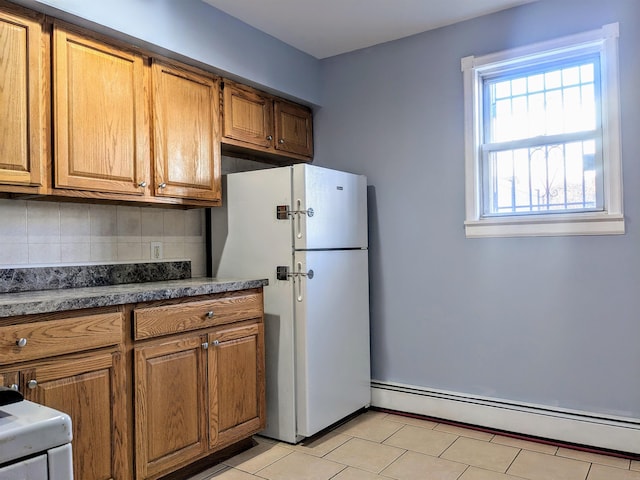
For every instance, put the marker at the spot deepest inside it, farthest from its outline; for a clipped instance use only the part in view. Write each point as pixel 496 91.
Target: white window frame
pixel 610 221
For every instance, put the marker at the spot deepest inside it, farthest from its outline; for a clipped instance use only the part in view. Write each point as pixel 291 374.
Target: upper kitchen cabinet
pixel 186 133
pixel 261 125
pixel 100 119
pixel 23 97
pixel 294 132
pixel 248 116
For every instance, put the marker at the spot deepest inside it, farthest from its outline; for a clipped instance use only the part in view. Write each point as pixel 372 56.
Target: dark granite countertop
pixel 48 301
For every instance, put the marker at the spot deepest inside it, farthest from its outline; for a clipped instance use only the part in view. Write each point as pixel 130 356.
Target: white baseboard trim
pixel 584 428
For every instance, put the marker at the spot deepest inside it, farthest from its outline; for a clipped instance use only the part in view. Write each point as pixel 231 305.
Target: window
pixel 542 139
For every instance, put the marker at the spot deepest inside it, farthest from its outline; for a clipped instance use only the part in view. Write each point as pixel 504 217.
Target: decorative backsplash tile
pixel 37 233
pixel 40 233
pixel 49 278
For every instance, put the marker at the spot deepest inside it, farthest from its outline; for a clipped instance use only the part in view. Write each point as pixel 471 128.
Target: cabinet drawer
pixel 159 320
pixel 56 337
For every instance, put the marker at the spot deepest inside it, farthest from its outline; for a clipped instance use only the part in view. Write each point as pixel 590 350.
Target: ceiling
pixel 323 28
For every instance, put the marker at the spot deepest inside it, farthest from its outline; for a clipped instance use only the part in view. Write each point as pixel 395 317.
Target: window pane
pixel 559 177
pixel 537 115
pixel 503 89
pixel 586 73
pixel 536 83
pixel 570 76
pixel 588 114
pixel 554 111
pixel 553 79
pixel 551 101
pixel 519 86
pixel 572 106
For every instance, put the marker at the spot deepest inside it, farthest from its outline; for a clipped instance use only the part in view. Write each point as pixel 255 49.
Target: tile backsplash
pixel 51 233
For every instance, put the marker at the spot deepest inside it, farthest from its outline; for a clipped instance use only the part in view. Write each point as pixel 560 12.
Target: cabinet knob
pixel 142 184
pixel 215 343
pixel 14 386
pixel 210 314
pixel 162 185
pixel 269 137
pixel 281 141
pixel 205 345
pixel 22 342
pixel 32 384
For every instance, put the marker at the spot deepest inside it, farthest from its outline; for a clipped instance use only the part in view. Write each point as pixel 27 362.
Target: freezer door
pixel 333 376
pixel 247 238
pixel 336 208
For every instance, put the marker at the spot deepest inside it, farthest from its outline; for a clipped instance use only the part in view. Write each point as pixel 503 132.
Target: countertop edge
pixel 51 301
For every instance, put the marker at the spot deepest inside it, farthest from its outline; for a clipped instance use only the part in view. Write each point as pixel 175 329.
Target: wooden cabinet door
pixel 236 384
pixel 22 100
pixel 293 128
pixel 90 388
pixel 186 133
pixel 10 379
pixel 247 116
pixel 170 411
pixel 100 115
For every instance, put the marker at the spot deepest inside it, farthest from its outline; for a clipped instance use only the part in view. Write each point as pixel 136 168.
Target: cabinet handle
pixel 269 137
pixel 162 185
pixel 215 343
pixel 22 342
pixel 142 184
pixel 210 314
pixel 32 384
pixel 281 141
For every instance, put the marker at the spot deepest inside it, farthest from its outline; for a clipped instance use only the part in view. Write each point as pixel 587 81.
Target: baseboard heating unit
pixel 576 427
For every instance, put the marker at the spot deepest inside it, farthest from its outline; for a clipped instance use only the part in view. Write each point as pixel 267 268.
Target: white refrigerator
pixel 305 229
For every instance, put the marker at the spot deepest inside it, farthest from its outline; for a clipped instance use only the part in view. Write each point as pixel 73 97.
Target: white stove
pixel 35 442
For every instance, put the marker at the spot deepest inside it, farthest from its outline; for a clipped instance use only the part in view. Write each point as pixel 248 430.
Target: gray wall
pixel 552 321
pixel 194 30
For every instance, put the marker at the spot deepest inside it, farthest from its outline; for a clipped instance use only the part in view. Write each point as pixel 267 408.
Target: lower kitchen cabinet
pixel 195 395
pixel 236 384
pixel 39 359
pixel 150 387
pixel 170 408
pixel 199 378
pixel 90 389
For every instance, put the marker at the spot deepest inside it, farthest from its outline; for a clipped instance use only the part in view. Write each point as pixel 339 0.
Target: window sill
pixel 546 226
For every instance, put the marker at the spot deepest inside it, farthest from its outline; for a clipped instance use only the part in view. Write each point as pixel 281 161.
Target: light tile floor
pixel 382 446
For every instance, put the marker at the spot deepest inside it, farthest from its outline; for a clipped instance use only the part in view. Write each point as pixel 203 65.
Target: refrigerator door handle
pixel 283 212
pixel 282 273
pixel 301 274
pixel 299 212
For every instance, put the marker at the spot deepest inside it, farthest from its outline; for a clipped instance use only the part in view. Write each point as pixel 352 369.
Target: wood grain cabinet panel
pixel 29 341
pixel 248 116
pixel 22 99
pixel 100 116
pixel 236 384
pixel 196 393
pixel 157 320
pixel 257 123
pixel 170 410
pixel 186 133
pixel 89 388
pixel 293 127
